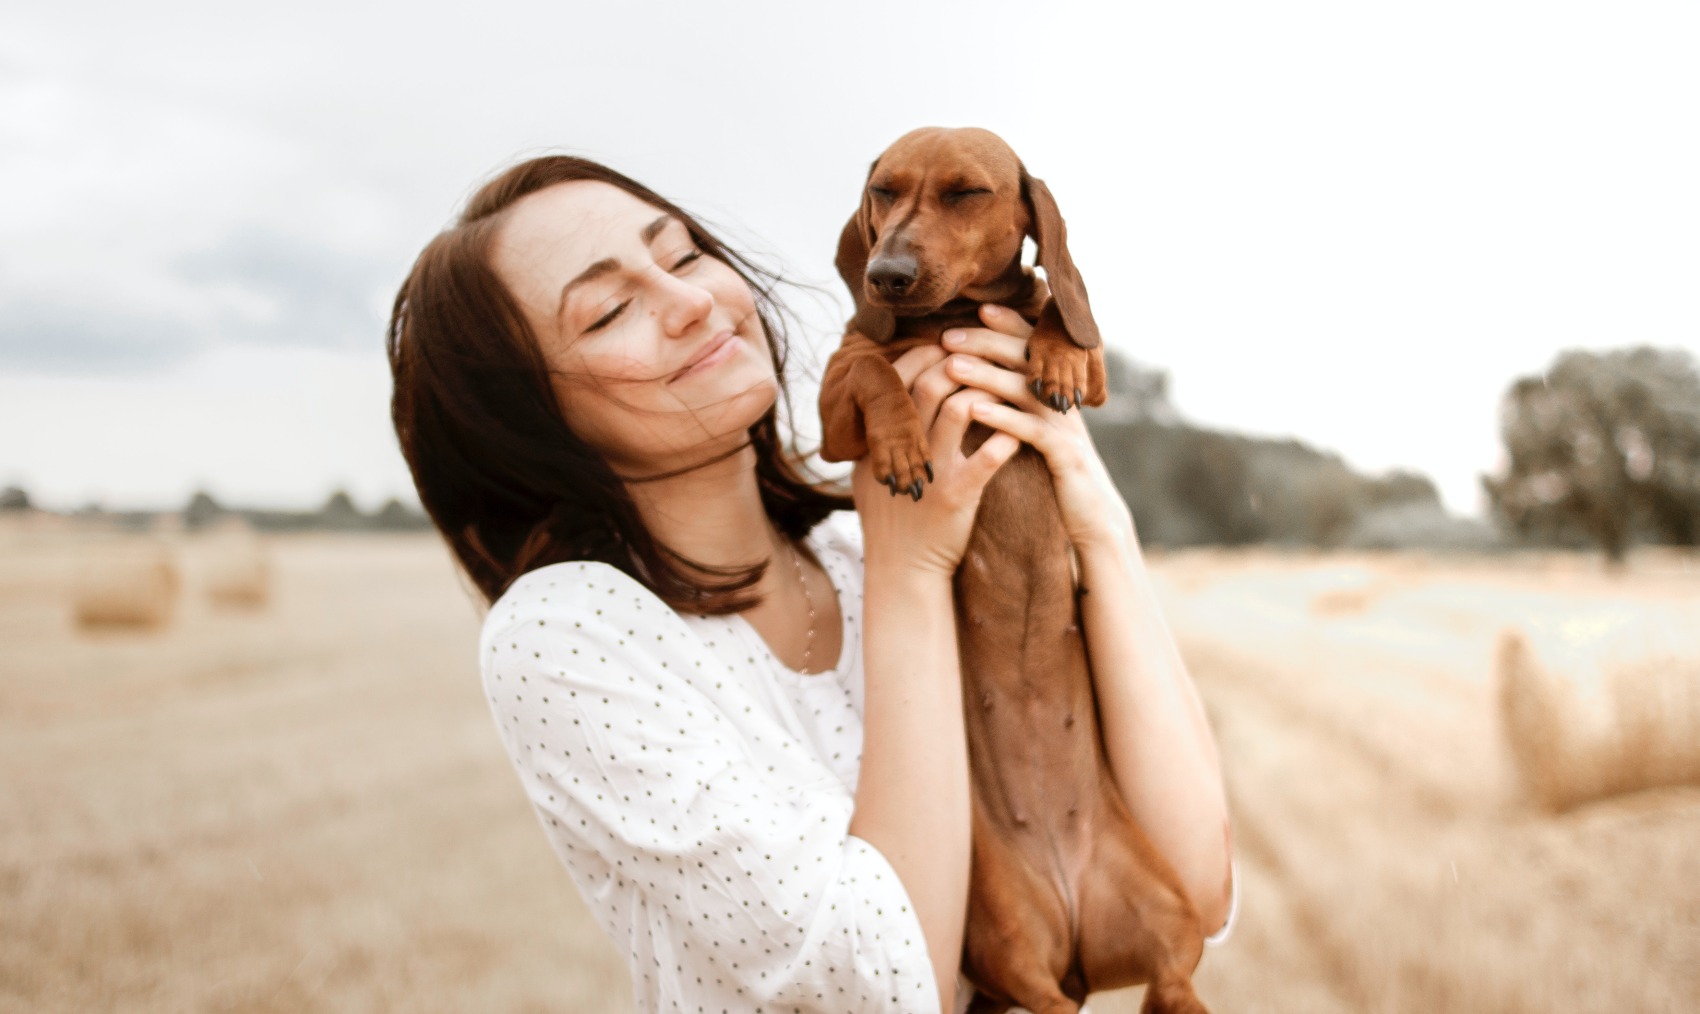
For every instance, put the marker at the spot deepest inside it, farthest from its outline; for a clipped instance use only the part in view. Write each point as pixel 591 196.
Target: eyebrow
pixel 654 228
pixel 609 264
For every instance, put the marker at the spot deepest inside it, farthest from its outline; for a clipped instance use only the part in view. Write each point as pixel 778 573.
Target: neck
pixel 711 515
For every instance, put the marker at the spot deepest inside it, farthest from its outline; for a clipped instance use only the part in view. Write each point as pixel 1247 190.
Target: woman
pixel 741 731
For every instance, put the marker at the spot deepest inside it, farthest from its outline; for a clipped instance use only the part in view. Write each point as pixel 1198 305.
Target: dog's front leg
pixel 866 411
pixel 1059 372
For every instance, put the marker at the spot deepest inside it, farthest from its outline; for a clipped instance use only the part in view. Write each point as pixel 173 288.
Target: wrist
pixel 918 571
pixel 1114 537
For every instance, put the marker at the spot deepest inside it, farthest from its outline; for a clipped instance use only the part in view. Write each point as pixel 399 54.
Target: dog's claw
pixel 1077 397
pixel 915 490
pixel 929 467
pixel 1038 388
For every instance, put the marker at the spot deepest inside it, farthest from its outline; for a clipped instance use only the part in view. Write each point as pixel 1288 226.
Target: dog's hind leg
pixel 1018 943
pixel 1136 923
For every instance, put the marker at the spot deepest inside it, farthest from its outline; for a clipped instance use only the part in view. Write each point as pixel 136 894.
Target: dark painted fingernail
pixel 929 467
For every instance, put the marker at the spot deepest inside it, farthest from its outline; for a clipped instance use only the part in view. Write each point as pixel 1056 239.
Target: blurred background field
pixel 301 804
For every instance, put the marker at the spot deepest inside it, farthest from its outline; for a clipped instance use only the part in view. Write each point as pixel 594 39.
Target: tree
pixel 1136 392
pixel 1603 448
pixel 339 512
pixel 202 510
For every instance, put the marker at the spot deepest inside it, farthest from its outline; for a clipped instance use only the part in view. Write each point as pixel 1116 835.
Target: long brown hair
pixel 505 480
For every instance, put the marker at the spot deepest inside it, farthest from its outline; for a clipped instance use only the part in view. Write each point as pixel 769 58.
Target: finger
pixel 990 456
pixel 953 419
pixel 1000 348
pixel 910 364
pixel 929 391
pixel 1007 384
pixel 1023 426
pixel 1005 321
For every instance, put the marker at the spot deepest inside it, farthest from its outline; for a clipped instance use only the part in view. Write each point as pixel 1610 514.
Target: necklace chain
pixel 809 600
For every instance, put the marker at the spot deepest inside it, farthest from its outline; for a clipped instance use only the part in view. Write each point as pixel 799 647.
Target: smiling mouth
pixel 712 349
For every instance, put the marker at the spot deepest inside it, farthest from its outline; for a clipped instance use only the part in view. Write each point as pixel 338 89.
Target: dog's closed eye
pixel 953 196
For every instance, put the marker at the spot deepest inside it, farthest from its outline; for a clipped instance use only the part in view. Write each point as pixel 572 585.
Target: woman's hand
pixel 993 360
pixel 931 533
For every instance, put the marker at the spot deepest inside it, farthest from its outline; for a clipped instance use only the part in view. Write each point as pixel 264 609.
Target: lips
pixel 711 348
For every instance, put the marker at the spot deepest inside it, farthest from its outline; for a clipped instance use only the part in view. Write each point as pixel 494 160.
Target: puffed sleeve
pixel 700 833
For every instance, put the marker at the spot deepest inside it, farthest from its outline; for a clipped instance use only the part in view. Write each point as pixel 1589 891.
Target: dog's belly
pixel 1037 761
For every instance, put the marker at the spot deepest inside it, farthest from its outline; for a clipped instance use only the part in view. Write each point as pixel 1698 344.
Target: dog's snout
pixel 892 275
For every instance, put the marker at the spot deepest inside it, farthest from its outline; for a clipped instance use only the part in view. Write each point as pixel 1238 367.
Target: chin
pixel 739 403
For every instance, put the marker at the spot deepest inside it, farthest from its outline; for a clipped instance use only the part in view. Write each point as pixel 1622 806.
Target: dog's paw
pixel 897 453
pixel 1061 374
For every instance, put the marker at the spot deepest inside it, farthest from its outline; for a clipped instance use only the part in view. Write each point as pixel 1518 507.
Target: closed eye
pixel 952 196
pixel 607 318
pixel 883 193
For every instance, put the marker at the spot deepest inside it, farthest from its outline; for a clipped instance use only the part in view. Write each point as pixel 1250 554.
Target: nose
pixel 683 304
pixel 892 275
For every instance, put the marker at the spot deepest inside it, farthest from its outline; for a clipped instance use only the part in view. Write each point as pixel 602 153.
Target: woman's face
pixel 655 350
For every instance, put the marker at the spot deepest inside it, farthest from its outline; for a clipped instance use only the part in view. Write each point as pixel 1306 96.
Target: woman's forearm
pixel 912 799
pixel 1155 730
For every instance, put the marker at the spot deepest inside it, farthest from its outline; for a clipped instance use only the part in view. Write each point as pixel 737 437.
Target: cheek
pixel 730 291
pixel 603 398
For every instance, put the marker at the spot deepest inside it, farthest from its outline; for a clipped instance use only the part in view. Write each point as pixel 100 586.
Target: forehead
pixel 937 151
pixel 580 217
pixel 548 237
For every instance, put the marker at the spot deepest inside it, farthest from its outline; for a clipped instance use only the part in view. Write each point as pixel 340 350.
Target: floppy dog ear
pixel 855 243
pixel 1067 289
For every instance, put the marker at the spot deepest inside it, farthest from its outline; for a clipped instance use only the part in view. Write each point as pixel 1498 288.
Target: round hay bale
pixel 126 584
pixel 237 569
pixel 1602 704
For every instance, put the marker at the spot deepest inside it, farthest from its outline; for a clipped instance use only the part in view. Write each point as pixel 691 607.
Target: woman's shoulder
pixel 586 589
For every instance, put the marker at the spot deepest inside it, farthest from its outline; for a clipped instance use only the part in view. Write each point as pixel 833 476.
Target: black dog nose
pixel 892 275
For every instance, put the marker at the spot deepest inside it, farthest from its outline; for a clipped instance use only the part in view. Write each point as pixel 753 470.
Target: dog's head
pixel 943 215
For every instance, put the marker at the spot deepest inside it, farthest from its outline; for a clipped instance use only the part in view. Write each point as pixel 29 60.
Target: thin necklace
pixel 808 645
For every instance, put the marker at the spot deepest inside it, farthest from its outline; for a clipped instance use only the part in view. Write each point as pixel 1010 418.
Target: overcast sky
pixel 1350 223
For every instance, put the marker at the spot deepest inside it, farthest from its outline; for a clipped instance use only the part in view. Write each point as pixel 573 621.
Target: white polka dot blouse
pixel 700 792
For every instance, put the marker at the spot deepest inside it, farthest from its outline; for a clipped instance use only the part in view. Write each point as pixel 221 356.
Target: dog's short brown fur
pixel 1067 895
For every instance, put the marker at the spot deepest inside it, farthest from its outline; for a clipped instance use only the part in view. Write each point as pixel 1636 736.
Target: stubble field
pixel 304 806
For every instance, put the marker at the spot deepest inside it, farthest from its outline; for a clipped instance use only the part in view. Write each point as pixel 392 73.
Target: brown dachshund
pixel 1067 895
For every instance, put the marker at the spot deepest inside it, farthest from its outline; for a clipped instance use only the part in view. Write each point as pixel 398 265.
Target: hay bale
pixel 1343 601
pixel 130 583
pixel 237 570
pixel 1602 704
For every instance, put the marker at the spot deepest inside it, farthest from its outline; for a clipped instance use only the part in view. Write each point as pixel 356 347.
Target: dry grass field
pixel 300 804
